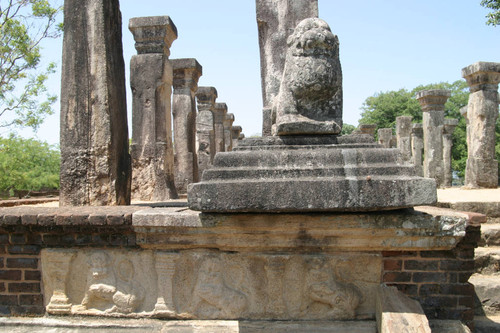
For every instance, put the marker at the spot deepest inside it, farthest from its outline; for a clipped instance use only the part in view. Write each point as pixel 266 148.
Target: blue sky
pixel 384 45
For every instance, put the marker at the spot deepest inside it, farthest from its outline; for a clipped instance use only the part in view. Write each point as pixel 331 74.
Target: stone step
pixel 490 234
pixel 487 260
pixel 487 324
pixel 487 288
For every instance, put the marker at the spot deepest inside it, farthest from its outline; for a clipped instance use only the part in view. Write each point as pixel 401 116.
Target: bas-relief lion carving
pixel 310 95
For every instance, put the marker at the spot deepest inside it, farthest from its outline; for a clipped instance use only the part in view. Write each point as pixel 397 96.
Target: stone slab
pixel 486 324
pixel 487 288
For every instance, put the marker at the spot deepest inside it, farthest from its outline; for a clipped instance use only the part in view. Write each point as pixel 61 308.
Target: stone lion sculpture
pixel 310 95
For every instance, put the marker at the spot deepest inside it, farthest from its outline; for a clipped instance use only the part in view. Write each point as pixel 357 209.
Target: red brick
pixel 32 275
pixel 24 287
pixel 440 301
pixel 392 265
pixel 429 277
pixel 397 277
pixel 31 299
pixel 429 289
pixel 8 299
pixel 407 289
pixel 467 301
pixel 14 275
pixel 22 263
pixel 421 265
pixel 2 287
pixel 4 238
pixel 24 249
pixel 51 239
pixel 457 265
pixel 437 254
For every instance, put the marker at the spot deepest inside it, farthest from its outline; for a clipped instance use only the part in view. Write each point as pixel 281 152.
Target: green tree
pixel 494 16
pixel 24 24
pixel 28 164
pixel 347 129
pixel 383 108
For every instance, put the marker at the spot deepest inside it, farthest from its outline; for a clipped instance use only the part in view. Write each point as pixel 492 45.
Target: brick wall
pixel 437 279
pixel 23 234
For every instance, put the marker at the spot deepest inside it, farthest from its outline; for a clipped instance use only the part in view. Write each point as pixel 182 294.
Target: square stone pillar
pixel 220 112
pixel 205 130
pixel 95 160
pixel 151 77
pixel 186 75
pixel 276 20
pixel 403 136
pixel 432 103
pixel 235 135
pixel 228 124
pixel 482 113
pixel 417 147
pixel 449 128
pixel 384 137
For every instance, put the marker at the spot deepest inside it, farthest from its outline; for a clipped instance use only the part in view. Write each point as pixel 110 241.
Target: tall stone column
pixel 432 103
pixel 228 124
pixel 95 160
pixel 235 135
pixel 220 112
pixel 205 130
pixel 482 113
pixel 186 75
pixel 384 137
pixel 403 136
pixel 276 20
pixel 417 147
pixel 449 128
pixel 151 77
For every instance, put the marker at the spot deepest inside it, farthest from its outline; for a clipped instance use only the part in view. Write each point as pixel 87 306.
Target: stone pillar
pixel 165 270
pixel 95 160
pixel 276 20
pixel 449 128
pixel 220 112
pixel 235 135
pixel 432 103
pixel 186 75
pixel 417 148
pixel 228 124
pixel 151 77
pixel 205 133
pixel 384 137
pixel 368 129
pixel 482 114
pixel 403 136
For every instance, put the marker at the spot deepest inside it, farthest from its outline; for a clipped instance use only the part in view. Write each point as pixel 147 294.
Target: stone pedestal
pixel 205 130
pixel 228 124
pixel 403 136
pixel 432 102
pixel 235 135
pixel 220 112
pixel 384 137
pixel 482 113
pixel 276 20
pixel 95 160
pixel 449 128
pixel 417 148
pixel 186 75
pixel 151 77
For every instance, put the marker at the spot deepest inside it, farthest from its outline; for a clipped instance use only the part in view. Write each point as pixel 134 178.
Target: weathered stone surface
pixel 482 113
pixel 310 96
pixel 95 163
pixel 276 20
pixel 448 129
pixel 417 148
pixel 384 137
pixel 186 75
pixel 219 112
pixel 151 77
pixel 487 288
pixel 284 178
pixel 403 136
pixel 368 129
pixel 397 313
pixel 208 284
pixel 235 135
pixel 228 139
pixel 432 102
pixel 205 129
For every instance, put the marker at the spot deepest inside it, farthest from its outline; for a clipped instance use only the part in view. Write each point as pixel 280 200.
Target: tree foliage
pixel 347 129
pixel 28 164
pixel 383 108
pixel 24 24
pixel 494 16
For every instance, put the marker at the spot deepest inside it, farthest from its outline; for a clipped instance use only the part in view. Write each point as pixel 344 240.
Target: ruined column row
pixel 185 145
